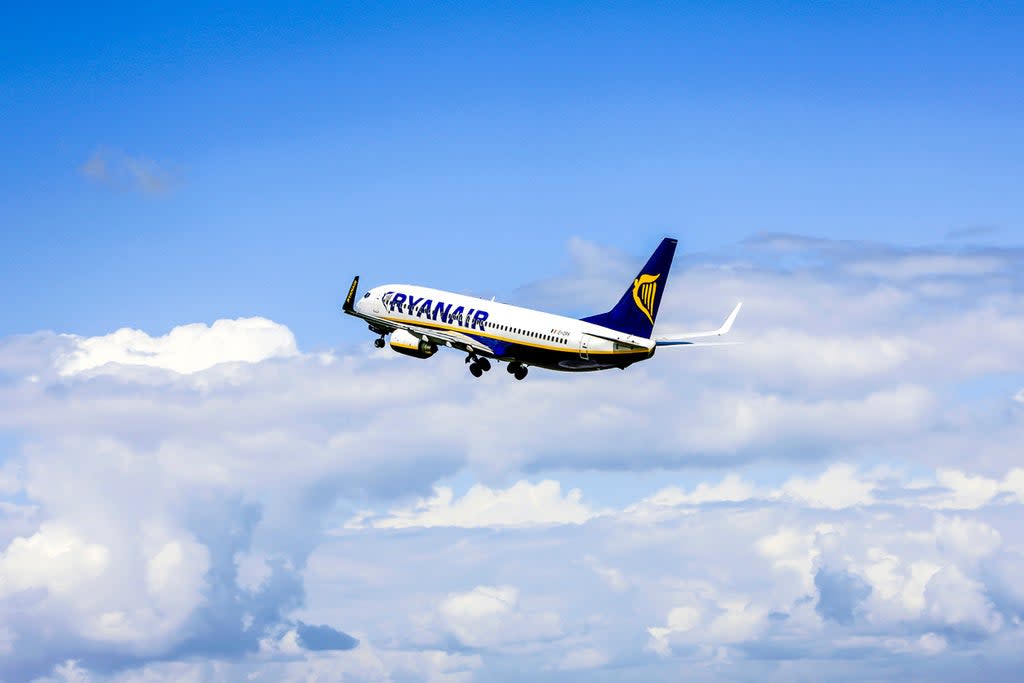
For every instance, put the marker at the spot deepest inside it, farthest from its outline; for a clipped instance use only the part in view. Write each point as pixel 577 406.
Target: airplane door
pixel 584 348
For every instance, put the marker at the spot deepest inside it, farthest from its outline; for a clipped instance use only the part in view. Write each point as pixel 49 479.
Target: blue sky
pixel 208 473
pixel 463 145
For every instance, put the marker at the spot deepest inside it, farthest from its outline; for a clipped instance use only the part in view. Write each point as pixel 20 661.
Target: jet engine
pixel 411 345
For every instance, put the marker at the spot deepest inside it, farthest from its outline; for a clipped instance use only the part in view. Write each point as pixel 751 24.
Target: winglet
pixel 727 325
pixel 682 339
pixel 351 296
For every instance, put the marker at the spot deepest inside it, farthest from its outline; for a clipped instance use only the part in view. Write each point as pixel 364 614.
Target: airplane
pixel 421 320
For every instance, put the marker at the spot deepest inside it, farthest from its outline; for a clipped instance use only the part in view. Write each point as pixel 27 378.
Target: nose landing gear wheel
pixel 379 343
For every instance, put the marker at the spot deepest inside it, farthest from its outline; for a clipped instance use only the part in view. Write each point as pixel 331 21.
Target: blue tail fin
pixel 638 308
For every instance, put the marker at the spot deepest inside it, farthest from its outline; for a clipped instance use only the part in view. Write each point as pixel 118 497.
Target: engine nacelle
pixel 411 345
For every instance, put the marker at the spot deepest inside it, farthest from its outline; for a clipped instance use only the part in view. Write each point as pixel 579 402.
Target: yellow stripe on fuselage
pixel 564 349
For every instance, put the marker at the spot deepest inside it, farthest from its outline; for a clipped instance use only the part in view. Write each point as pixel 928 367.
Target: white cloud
pixel 929 644
pixel 664 503
pixel 68 672
pixel 841 485
pixel 731 489
pixel 707 620
pixel 522 504
pixel 967 492
pixel 791 550
pixel 185 349
pixel 957 600
pixel 84 585
pixel 54 558
pixel 966 537
pixel 366 663
pixel 490 616
pixel 838 487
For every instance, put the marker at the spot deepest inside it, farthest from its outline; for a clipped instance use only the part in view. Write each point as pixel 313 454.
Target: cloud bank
pixel 840 496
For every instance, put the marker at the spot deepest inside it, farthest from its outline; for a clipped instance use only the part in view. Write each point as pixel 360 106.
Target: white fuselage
pixel 512 332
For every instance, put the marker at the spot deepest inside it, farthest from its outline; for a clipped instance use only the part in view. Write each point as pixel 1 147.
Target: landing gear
pixel 517 369
pixel 379 343
pixel 477 365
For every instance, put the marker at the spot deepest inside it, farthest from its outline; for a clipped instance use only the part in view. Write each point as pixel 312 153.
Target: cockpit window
pixel 365 296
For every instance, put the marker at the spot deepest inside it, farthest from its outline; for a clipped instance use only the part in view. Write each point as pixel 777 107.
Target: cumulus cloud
pixel 706 619
pixel 522 504
pixel 956 600
pixel 838 487
pixel 54 559
pixel 185 349
pixel 958 490
pixel 966 537
pixel 491 616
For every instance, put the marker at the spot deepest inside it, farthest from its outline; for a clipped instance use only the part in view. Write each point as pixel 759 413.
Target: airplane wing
pixel 685 339
pixel 445 337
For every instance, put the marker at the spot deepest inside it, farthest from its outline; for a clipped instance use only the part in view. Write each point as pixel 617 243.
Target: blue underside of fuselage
pixel 552 359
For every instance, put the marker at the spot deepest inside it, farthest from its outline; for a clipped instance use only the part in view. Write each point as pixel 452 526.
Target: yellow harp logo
pixel 645 288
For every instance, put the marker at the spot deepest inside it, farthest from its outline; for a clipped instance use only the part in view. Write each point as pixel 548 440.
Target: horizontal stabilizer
pixel 682 339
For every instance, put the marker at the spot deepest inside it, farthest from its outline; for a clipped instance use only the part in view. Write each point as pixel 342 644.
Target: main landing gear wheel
pixel 478 365
pixel 379 343
pixel 517 369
